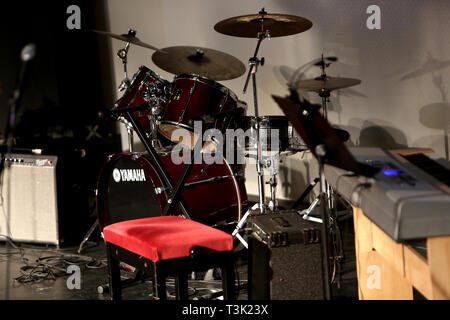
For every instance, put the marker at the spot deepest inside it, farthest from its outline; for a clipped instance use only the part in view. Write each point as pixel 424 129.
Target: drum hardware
pixel 122 54
pixel 186 106
pixel 254 62
pixel 159 167
pixel 146 98
pixel 306 213
pixel 160 190
pixel 129 38
pixel 129 129
pixel 175 194
pixel 263 26
pixel 323 86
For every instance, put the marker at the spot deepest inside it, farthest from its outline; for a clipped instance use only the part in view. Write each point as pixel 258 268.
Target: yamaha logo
pixel 126 175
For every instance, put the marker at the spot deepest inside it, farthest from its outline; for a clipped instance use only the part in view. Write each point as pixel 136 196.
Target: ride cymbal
pixel 324 84
pixel 273 25
pixel 130 37
pixel 205 62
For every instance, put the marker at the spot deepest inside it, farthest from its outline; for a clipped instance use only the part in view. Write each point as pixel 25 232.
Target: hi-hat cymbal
pixel 276 25
pixel 205 62
pixel 130 37
pixel 324 84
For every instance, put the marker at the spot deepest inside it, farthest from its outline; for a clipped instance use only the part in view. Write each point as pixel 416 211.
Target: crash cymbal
pixel 275 24
pixel 205 62
pixel 324 84
pixel 130 37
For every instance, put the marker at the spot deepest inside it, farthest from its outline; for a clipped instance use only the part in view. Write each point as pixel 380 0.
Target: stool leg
pixel 181 286
pixel 114 274
pixel 229 290
pixel 159 284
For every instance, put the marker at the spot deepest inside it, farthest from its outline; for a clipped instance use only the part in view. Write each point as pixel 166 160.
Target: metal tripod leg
pixel 307 212
pixel 241 223
pixel 87 236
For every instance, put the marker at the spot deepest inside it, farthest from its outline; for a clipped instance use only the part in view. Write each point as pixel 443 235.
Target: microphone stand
pixel 27 54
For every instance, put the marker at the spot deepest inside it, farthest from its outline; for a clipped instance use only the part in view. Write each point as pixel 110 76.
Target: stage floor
pixel 19 283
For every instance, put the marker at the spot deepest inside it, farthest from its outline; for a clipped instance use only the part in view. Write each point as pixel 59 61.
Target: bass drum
pixel 129 188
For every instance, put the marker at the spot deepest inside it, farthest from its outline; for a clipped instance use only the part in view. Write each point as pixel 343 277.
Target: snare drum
pixel 193 97
pixel 268 125
pixel 146 87
pixel 288 138
pixel 128 187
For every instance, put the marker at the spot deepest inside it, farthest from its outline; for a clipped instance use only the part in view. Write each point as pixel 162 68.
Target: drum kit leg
pixel 133 185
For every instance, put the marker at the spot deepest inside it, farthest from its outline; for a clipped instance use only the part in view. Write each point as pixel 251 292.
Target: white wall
pixel 383 111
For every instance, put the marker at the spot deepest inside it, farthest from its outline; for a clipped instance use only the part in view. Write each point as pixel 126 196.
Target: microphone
pixel 28 52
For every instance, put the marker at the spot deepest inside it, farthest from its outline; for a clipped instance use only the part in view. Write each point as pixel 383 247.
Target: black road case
pixel 285 260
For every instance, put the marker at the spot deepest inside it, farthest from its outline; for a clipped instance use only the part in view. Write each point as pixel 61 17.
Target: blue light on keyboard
pixel 391 172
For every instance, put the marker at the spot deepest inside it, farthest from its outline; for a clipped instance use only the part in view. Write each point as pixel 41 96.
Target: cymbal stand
pixel 272 165
pixel 321 154
pixel 325 95
pixel 326 196
pixel 129 128
pixel 122 54
pixel 254 62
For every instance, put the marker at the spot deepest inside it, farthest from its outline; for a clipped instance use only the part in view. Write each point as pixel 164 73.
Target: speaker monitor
pixel 29 199
pixel 285 260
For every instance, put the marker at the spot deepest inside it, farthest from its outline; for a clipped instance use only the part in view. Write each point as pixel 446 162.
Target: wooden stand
pixel 388 270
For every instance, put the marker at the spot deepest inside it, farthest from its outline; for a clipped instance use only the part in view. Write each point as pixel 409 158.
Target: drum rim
pixel 277 117
pixel 142 70
pixel 177 124
pixel 210 82
pixel 149 72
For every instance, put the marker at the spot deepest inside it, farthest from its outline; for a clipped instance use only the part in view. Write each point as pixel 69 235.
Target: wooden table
pixel 389 270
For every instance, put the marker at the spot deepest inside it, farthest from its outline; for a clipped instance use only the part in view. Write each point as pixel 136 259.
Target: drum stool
pixel 168 246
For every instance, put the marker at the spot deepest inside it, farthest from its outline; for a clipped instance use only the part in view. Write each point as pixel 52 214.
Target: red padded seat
pixel 166 237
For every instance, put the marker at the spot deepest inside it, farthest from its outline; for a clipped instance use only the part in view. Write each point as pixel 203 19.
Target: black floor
pixel 32 272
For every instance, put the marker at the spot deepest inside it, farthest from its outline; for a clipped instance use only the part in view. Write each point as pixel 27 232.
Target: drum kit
pixel 148 184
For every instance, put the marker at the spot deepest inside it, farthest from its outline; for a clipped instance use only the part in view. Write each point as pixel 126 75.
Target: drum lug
pixel 160 190
pixel 135 155
pixel 177 95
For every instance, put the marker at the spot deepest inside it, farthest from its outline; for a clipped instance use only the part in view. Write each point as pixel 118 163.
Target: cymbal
pixel 276 25
pixel 324 84
pixel 130 37
pixel 205 62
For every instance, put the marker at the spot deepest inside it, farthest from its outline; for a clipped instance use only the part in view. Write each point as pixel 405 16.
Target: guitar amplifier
pixel 285 260
pixel 29 208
